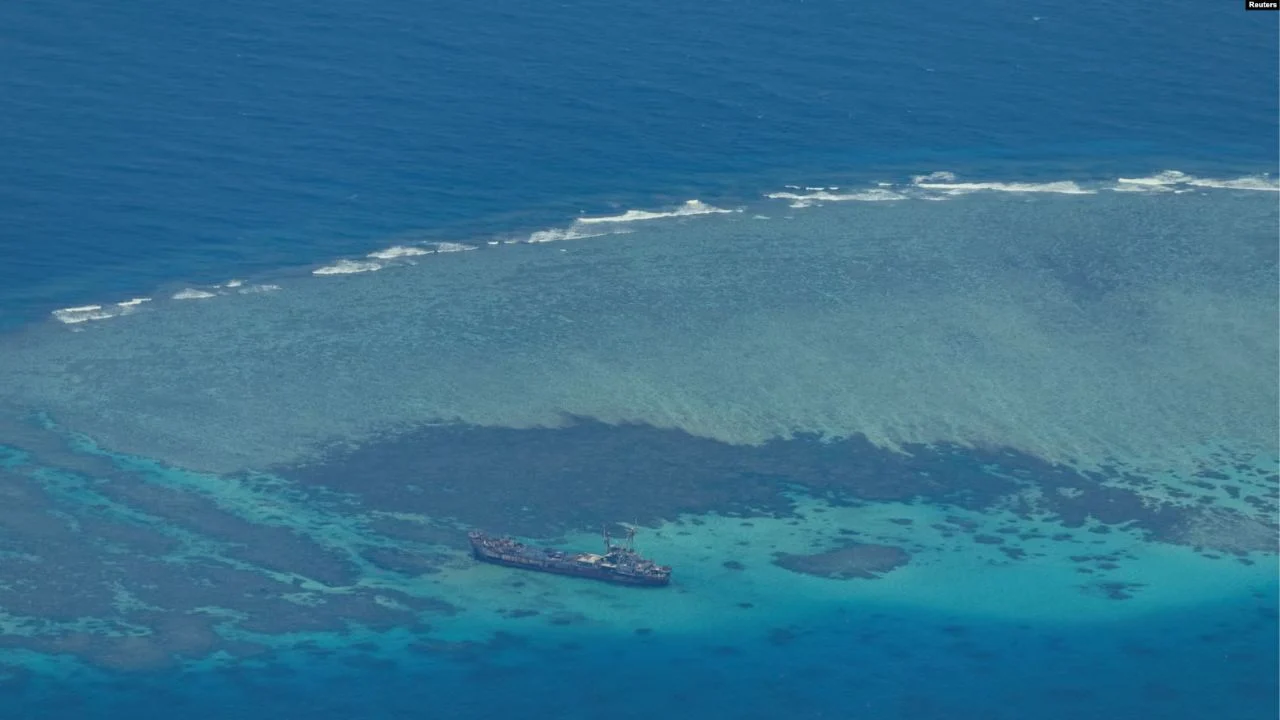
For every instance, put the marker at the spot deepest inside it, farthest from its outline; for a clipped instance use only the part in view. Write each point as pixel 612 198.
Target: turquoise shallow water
pixel 914 666
pixel 937 352
pixel 993 614
pixel 265 493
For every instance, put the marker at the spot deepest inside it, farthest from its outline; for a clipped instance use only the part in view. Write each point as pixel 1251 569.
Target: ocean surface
pixel 935 348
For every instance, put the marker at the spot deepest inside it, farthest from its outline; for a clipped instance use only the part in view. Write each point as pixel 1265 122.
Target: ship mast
pixel 608 540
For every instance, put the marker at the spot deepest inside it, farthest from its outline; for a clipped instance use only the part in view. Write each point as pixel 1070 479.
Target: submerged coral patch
pixel 863 560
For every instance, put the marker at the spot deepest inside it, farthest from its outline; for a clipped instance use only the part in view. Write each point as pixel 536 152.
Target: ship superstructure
pixel 618 564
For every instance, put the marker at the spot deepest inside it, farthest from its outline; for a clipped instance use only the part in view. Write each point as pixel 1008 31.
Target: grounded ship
pixel 619 564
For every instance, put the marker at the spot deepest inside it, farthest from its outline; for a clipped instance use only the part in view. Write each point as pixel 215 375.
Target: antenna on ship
pixel 631 535
pixel 604 531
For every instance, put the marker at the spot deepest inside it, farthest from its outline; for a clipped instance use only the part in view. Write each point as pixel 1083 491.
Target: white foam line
pixel 254 289
pixel 1257 182
pixel 81 314
pixel 347 267
pixel 1064 187
pixel 558 234
pixel 940 176
pixel 942 184
pixel 689 208
pixel 874 195
pixel 1175 181
pixel 1128 187
pixel 1164 179
pixel 399 251
pixel 447 247
pixel 938 186
pixel 85 313
pixel 192 294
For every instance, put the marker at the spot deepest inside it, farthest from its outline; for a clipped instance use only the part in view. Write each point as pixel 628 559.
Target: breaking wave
pixel 448 247
pixel 347 267
pixel 947 183
pixel 1137 328
pixel 193 294
pixel 1174 181
pixel 85 313
pixel 690 207
pixel 558 234
pixel 815 195
pixel 398 251
pixel 943 185
pixel 934 186
pixel 252 289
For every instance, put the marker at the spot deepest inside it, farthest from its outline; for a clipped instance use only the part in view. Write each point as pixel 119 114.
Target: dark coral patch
pixel 554 480
pixel 1113 590
pixel 779 637
pixel 567 618
pixel 274 548
pixel 71 557
pixel 862 560
pixel 117 550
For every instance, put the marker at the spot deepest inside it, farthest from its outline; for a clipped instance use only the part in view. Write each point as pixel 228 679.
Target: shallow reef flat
pixel 129 564
pixel 992 437
pixel 1079 325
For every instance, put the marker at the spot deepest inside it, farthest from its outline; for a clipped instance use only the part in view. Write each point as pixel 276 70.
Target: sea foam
pixel 449 247
pixel 85 313
pixel 806 199
pixel 1170 180
pixel 254 289
pixel 992 332
pixel 558 234
pixel 947 183
pixel 934 186
pixel 192 294
pixel 398 251
pixel 689 208
pixel 943 185
pixel 347 267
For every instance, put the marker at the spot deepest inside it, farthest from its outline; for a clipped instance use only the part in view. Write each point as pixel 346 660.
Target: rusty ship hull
pixel 617 565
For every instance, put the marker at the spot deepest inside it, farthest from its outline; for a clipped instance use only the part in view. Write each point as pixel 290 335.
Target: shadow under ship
pixel 619 564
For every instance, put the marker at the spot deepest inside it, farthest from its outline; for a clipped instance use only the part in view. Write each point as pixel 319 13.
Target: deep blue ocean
pixel 150 144
pixel 150 147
